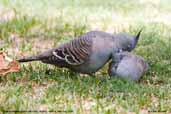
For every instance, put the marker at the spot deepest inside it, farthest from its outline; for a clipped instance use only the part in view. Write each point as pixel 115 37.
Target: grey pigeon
pixel 128 66
pixel 87 53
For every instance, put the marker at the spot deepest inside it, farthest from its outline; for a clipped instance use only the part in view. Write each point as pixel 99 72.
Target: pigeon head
pixel 127 42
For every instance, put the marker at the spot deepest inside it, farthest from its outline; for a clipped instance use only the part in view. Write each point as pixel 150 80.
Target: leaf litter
pixel 8 65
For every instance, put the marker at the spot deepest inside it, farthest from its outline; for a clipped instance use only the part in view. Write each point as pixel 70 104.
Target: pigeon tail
pixel 28 59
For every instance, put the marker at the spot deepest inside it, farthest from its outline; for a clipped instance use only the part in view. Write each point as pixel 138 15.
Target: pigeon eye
pixel 129 46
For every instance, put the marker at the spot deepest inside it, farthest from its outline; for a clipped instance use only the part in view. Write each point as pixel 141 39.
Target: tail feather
pixel 28 59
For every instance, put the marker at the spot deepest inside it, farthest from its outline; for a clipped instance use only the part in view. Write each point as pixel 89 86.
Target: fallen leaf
pixel 7 65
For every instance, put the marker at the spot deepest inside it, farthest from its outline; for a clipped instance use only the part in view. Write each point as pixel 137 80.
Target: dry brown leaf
pixel 2 62
pixel 7 65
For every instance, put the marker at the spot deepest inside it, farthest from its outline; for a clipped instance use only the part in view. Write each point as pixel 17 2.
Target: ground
pixel 32 26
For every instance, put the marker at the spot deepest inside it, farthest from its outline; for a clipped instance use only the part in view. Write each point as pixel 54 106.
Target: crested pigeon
pixel 88 52
pixel 129 66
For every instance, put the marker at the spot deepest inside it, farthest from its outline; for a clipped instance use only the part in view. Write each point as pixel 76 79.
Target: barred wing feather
pixel 75 52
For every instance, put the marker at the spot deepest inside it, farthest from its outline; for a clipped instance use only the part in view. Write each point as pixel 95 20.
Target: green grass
pixel 33 26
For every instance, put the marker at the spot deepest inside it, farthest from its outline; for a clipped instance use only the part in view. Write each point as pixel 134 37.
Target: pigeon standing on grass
pixel 87 53
pixel 129 66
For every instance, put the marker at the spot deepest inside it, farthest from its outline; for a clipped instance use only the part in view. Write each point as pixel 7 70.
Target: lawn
pixel 28 27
